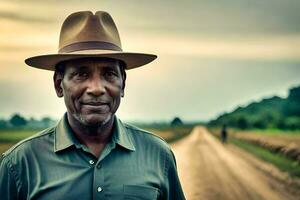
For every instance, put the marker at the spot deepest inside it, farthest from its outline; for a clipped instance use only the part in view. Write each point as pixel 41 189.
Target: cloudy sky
pixel 213 55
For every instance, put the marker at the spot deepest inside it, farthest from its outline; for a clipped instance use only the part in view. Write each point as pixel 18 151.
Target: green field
pixel 13 136
pixel 10 137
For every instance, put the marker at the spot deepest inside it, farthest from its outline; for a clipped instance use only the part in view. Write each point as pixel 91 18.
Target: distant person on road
pixel 224 134
pixel 90 153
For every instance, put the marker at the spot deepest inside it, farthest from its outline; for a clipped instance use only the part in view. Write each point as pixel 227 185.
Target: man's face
pixel 92 90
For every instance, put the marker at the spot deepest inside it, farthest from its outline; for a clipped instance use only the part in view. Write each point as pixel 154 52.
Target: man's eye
pixel 110 74
pixel 81 75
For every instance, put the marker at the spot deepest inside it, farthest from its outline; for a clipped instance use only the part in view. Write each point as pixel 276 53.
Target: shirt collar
pixel 64 138
pixel 121 135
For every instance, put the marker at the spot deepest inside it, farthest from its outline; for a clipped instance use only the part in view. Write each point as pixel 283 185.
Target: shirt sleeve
pixel 8 188
pixel 173 189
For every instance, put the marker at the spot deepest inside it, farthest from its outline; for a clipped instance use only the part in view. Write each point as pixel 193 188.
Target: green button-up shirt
pixel 53 164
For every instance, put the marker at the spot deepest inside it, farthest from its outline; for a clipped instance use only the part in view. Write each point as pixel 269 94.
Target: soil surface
pixel 212 171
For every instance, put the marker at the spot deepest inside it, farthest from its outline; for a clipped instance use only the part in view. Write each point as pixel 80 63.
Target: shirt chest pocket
pixel 135 192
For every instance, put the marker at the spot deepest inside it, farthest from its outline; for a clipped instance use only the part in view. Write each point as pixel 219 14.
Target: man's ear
pixel 57 79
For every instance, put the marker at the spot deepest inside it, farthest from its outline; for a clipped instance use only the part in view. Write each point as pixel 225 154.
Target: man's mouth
pixel 95 105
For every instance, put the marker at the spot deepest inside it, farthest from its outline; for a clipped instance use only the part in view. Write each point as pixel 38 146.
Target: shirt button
pixel 91 162
pixel 98 166
pixel 99 189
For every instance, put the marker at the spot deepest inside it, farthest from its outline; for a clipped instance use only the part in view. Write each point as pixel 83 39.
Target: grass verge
pixel 171 134
pixel 284 164
pixel 14 136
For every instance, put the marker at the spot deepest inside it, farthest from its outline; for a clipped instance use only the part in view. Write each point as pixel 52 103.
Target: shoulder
pixel 28 143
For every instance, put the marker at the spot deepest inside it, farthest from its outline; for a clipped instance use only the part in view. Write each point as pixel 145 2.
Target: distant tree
pixel 3 124
pixel 281 124
pixel 294 93
pixel 17 120
pixel 260 124
pixel 176 122
pixel 47 121
pixel 292 123
pixel 242 123
pixel 274 112
pixel 292 105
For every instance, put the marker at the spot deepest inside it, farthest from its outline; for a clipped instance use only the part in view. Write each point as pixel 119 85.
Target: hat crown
pixel 84 30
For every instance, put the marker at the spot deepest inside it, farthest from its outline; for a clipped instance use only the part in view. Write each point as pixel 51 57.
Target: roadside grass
pixel 284 164
pixel 271 132
pixel 217 130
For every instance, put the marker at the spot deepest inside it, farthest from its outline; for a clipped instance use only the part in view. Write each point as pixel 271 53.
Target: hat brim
pixel 48 62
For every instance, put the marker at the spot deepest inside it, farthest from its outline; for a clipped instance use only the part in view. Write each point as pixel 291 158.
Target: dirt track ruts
pixel 209 170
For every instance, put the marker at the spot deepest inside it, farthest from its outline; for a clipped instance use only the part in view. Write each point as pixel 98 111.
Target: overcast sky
pixel 213 55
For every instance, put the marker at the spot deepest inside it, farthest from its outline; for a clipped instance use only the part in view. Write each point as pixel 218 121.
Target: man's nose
pixel 96 87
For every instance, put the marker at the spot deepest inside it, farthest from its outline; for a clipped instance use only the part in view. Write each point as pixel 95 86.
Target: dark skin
pixel 92 91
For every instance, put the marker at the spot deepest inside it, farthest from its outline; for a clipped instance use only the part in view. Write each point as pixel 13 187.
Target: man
pixel 224 134
pixel 90 153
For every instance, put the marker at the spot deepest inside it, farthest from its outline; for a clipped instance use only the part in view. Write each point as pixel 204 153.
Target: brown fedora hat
pixel 83 35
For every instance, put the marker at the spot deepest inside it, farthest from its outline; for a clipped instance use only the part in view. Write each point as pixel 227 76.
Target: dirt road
pixel 210 170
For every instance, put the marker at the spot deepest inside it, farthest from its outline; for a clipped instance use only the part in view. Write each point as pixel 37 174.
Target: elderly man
pixel 90 153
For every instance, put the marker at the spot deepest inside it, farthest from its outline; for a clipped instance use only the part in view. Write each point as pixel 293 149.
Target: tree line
pixel 274 113
pixel 17 121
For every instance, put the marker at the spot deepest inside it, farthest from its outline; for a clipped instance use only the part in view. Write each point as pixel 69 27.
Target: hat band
pixel 89 45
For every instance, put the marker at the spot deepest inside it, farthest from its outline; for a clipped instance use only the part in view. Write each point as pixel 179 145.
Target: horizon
pixel 162 121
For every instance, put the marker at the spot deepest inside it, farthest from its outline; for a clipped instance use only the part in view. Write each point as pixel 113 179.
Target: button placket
pixel 98 181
